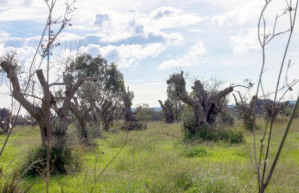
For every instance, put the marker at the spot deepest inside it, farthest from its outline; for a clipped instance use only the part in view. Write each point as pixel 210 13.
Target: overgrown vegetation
pixel 203 109
pixel 227 134
pixel 153 161
pixel 13 183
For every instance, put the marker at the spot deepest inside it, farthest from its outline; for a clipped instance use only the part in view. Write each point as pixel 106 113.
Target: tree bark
pixel 47 101
pixel 62 112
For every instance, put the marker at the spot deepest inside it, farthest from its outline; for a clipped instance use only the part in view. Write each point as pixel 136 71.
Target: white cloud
pixel 244 41
pixel 123 37
pixel 69 37
pixel 192 58
pixel 114 26
pixel 23 10
pixel 126 55
pixel 23 54
pixel 168 17
pixel 2 50
pixel 18 42
pixel 4 94
pixel 247 12
pixel 148 93
pixel 3 35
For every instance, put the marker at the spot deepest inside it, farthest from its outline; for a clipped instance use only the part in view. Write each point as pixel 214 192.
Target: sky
pixel 150 40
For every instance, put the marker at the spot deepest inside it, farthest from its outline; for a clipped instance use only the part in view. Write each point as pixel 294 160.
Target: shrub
pixel 196 152
pixel 193 132
pixel 63 161
pixel 212 134
pixel 233 136
pixel 189 124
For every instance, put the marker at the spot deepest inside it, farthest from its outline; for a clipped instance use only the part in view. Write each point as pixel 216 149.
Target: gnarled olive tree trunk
pixel 62 111
pixel 167 111
pixel 205 107
pixel 245 111
pixel 40 114
pixel 131 122
pixel 107 114
pixel 101 113
pixel 81 113
pixel 128 114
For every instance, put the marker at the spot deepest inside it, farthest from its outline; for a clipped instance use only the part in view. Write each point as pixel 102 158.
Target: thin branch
pixel 57 84
pixel 30 95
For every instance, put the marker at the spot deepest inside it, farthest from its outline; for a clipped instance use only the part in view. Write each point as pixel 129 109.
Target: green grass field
pixel 158 160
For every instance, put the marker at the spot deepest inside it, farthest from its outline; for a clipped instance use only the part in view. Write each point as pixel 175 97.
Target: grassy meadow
pixel 158 160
